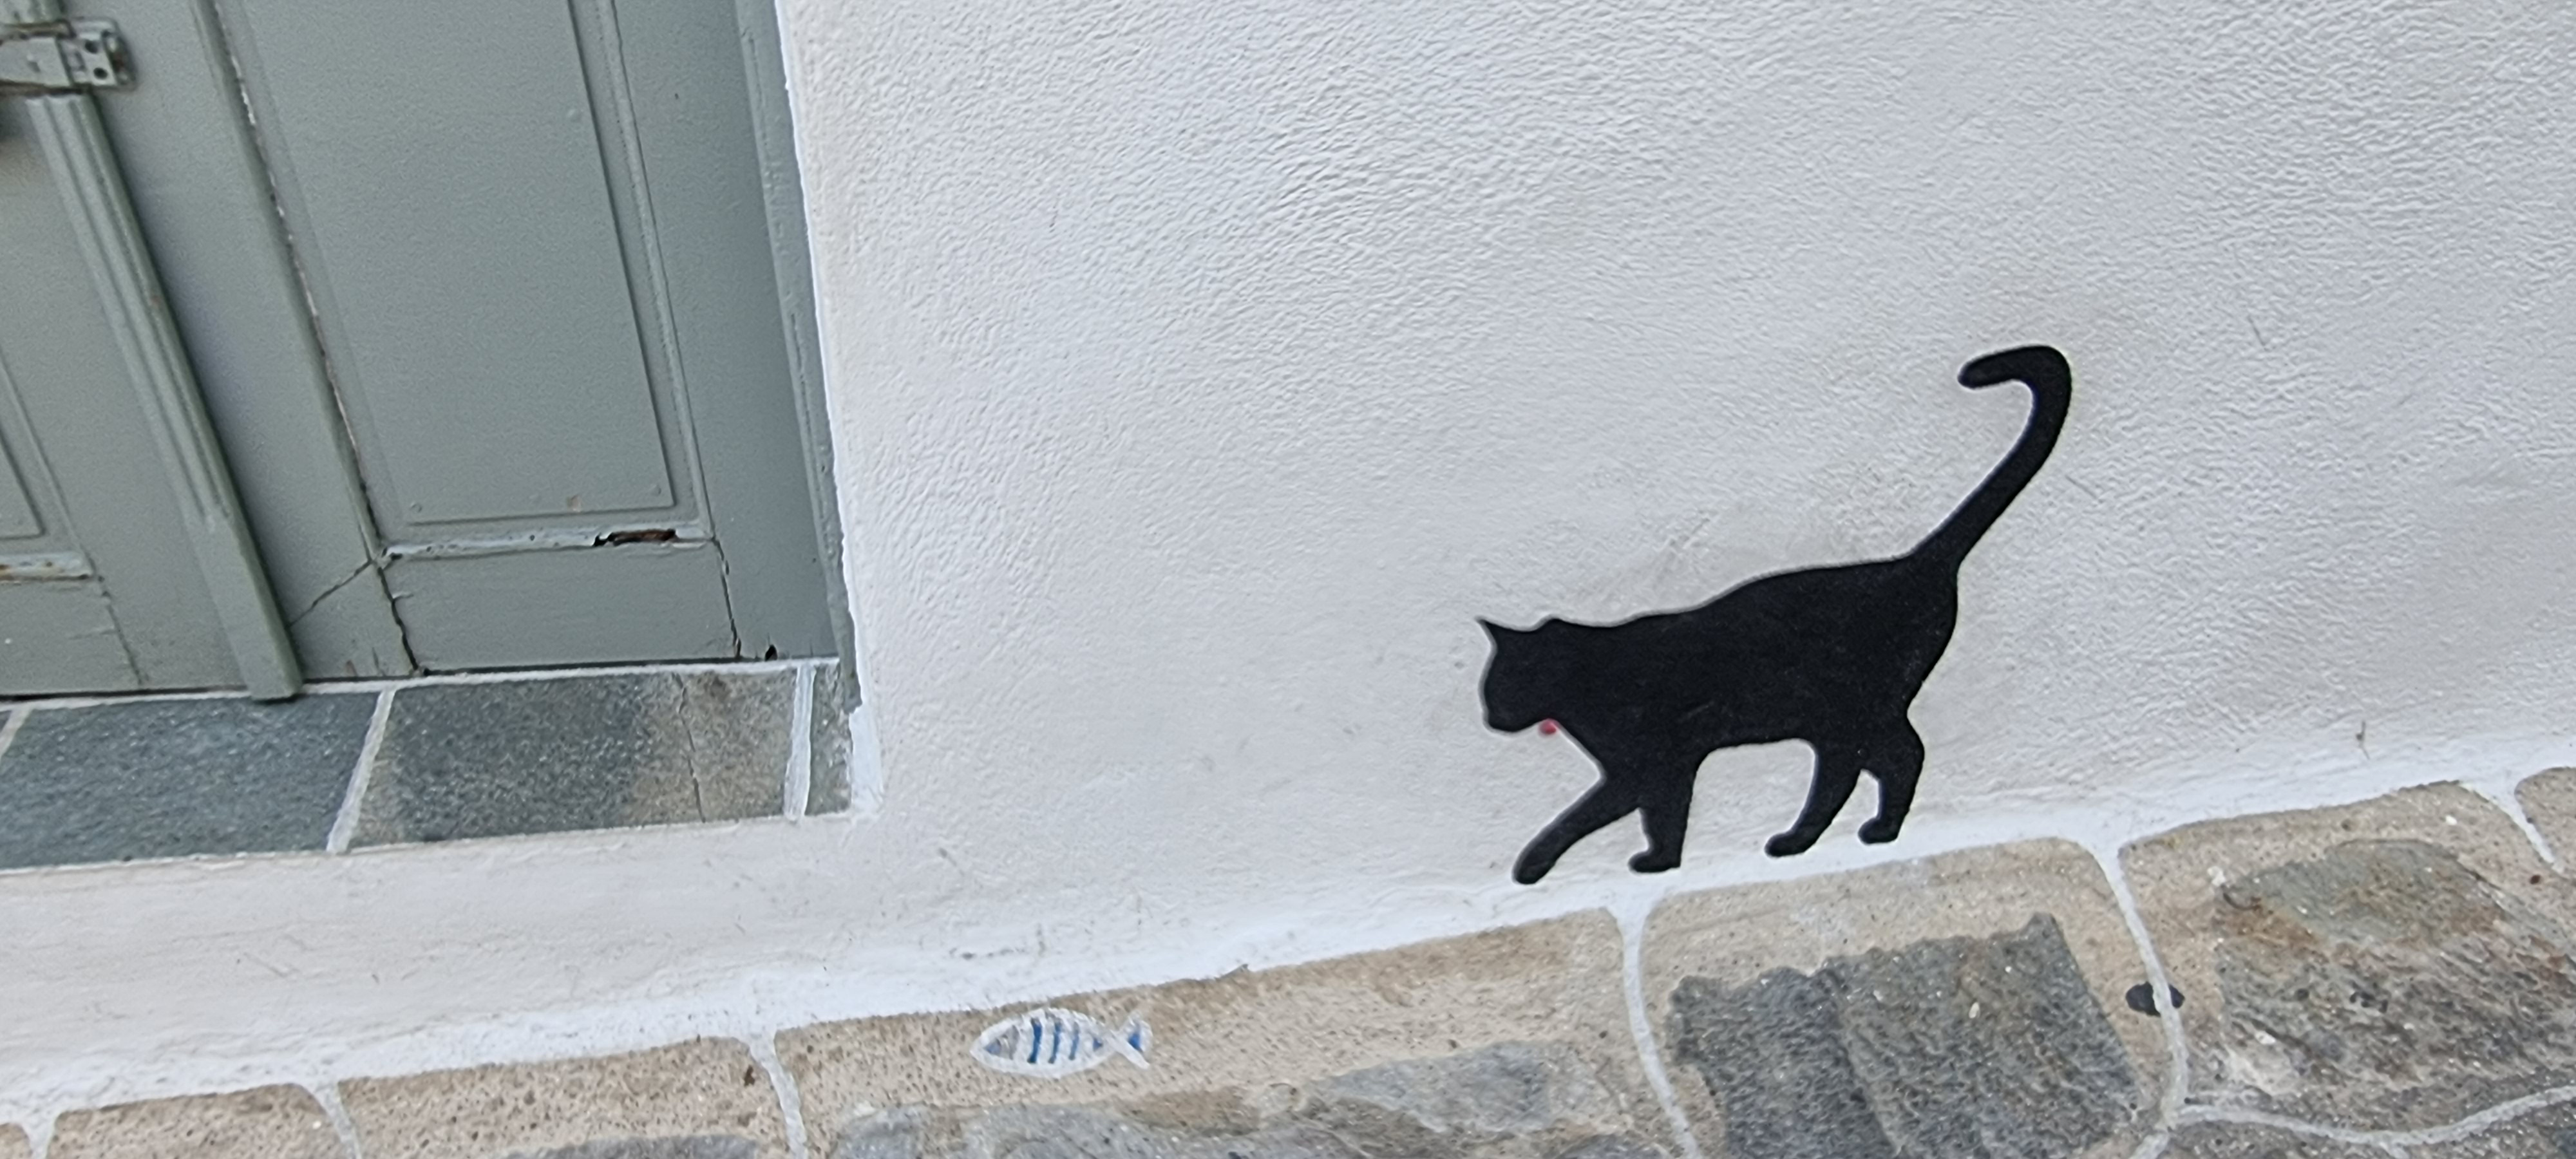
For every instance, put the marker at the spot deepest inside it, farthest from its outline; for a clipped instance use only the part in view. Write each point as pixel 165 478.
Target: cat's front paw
pixel 1789 844
pixel 1880 830
pixel 1653 862
pixel 1531 867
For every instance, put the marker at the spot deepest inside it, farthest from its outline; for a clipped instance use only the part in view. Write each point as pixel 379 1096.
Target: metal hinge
pixel 61 56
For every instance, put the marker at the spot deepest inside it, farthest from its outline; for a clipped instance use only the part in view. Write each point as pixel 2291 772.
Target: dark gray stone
pixel 2386 985
pixel 170 778
pixel 895 1134
pixel 1516 1098
pixel 1985 1046
pixel 1041 1132
pixel 1611 1147
pixel 1032 1132
pixel 677 1147
pixel 1513 1101
pixel 829 735
pixel 1772 1054
pixel 1988 1047
pixel 1513 1088
pixel 2249 1141
pixel 592 752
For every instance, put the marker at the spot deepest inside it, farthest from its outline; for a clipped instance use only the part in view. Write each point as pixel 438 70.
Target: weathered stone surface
pixel 685 1147
pixel 2549 1133
pixel 1964 1005
pixel 2549 800
pixel 828 734
pixel 705 1099
pixel 13 1143
pixel 1956 1046
pixel 1507 1101
pixel 2251 1141
pixel 1772 1053
pixel 1508 1045
pixel 173 778
pixel 2401 963
pixel 267 1123
pixel 591 752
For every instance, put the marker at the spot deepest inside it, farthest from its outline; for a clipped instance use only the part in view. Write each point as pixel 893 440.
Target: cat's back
pixel 1809 606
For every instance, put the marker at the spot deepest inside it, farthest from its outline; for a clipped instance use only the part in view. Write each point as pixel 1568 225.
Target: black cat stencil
pixel 1831 656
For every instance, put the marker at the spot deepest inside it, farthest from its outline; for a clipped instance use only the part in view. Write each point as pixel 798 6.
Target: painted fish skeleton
pixel 1050 1043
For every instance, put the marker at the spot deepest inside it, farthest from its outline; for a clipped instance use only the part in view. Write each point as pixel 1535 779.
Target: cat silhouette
pixel 1831 656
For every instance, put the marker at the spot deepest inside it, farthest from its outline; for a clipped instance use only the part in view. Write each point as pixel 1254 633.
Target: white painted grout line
pixel 9 727
pixel 2169 1104
pixel 1631 916
pixel 800 745
pixel 791 1105
pixel 865 765
pixel 328 1094
pixel 40 1135
pixel 2472 1124
pixel 2394 1141
pixel 344 827
pixel 2505 798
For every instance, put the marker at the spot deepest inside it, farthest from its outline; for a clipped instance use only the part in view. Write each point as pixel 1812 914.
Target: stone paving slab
pixel 592 752
pixel 13 1143
pixel 1513 1044
pixel 1969 1004
pixel 2253 1141
pixel 280 1122
pixel 2549 1133
pixel 2549 800
pixel 828 733
pixel 174 778
pixel 704 1099
pixel 2396 964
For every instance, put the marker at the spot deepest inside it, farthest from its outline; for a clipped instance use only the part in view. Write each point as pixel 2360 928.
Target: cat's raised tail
pixel 2044 371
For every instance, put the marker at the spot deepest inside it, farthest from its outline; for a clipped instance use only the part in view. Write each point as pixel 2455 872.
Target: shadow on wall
pixel 1832 656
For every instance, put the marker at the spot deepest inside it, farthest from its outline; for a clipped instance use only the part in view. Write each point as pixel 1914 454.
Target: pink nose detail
pixel 1547 727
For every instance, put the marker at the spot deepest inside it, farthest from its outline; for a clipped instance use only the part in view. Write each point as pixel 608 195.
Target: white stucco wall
pixel 1202 370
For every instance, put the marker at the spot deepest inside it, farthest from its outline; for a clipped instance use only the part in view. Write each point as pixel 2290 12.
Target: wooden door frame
pixel 240 303
pixel 774 134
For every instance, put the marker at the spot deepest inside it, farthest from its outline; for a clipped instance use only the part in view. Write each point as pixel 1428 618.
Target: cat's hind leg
pixel 1607 802
pixel 1837 773
pixel 1665 804
pixel 1896 759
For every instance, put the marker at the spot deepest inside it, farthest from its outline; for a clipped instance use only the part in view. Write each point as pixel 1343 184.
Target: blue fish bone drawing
pixel 1050 1043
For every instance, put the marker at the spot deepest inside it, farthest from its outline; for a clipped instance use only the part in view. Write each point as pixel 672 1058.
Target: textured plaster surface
pixel 1203 370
